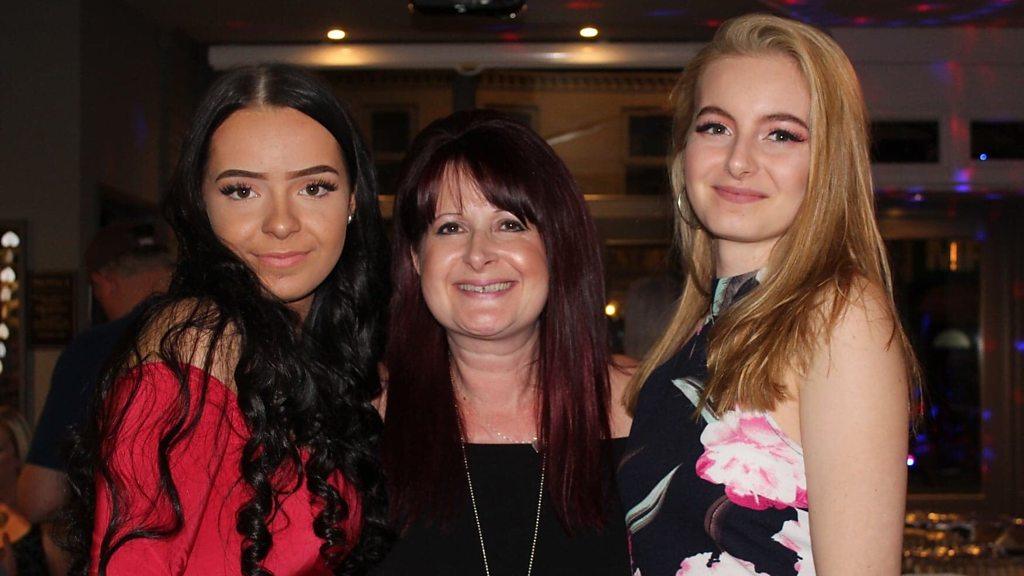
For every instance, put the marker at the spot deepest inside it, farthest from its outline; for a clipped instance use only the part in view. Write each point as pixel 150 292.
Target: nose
pixel 281 220
pixel 479 250
pixel 741 161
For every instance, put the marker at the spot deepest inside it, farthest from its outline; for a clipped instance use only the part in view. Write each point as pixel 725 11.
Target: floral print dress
pixel 717 495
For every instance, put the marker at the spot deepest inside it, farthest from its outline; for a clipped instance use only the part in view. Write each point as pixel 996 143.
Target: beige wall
pixel 592 106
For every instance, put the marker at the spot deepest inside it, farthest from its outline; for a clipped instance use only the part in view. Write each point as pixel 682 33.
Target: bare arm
pixel 619 374
pixel 853 424
pixel 41 492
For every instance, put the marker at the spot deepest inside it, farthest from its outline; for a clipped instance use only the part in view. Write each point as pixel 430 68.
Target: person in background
pixel 126 264
pixel 235 434
pixel 22 550
pixel 502 400
pixel 774 411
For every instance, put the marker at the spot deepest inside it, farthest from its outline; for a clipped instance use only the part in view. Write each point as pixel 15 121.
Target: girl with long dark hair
pixel 235 434
pixel 501 397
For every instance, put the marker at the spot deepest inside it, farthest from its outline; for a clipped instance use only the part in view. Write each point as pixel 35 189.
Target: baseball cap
pixel 117 241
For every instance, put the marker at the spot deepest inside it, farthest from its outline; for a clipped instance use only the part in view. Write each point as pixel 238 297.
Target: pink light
pixel 713 23
pixel 510 36
pixel 583 5
pixel 911 460
pixel 924 8
pixel 861 20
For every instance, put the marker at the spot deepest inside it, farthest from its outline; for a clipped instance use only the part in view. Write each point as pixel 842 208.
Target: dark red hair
pixel 516 171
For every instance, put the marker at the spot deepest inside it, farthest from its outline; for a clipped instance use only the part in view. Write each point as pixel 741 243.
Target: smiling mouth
pixel 486 288
pixel 739 195
pixel 282 259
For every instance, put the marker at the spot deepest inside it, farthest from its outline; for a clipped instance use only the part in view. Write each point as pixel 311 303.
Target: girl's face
pixel 277 194
pixel 747 154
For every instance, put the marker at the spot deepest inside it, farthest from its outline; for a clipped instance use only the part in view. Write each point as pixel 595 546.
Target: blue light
pixel 911 460
pixel 982 156
pixel 1019 345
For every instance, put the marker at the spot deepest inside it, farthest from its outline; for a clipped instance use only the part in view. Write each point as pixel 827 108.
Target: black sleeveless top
pixel 506 479
pixel 717 495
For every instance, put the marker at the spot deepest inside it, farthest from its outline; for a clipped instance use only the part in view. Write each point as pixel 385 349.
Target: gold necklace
pixel 472 493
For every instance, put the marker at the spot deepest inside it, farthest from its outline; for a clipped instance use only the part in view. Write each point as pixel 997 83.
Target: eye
pixel 319 188
pixel 237 191
pixel 784 136
pixel 713 128
pixel 448 228
pixel 511 225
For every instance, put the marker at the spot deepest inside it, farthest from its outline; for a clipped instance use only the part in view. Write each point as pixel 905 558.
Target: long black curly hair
pixel 302 384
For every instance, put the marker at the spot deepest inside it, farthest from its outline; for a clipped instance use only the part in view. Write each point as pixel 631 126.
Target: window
pixel 900 142
pixel 649 136
pixel 391 132
pixel 997 140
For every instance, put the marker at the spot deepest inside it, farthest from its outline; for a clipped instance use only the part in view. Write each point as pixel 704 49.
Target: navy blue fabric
pixel 74 379
pixel 693 516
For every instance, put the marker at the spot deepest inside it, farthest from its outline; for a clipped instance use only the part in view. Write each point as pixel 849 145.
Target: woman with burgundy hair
pixel 502 398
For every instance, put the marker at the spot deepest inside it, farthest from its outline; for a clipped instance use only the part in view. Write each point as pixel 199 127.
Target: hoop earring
pixel 350 218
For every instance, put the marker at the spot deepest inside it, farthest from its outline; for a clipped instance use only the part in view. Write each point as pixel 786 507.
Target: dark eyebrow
pixel 776 117
pixel 318 169
pixel 241 174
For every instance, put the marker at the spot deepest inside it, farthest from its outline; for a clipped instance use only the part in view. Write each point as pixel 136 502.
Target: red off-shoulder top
pixel 206 470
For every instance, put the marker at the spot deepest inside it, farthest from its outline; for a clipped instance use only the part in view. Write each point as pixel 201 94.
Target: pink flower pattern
pixel 725 565
pixel 759 467
pixel 796 535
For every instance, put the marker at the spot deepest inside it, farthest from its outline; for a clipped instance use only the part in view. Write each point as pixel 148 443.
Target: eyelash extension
pixel 790 136
pixel 706 127
pixel 229 189
pixel 329 186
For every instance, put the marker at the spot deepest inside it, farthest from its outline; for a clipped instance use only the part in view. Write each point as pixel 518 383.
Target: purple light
pixel 1019 345
pixel 982 156
pixel 911 460
pixel 962 188
pixel 666 12
pixel 986 415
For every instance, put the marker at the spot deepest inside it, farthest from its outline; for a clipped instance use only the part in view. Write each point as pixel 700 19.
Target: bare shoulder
pixel 381 401
pixel 620 372
pixel 189 324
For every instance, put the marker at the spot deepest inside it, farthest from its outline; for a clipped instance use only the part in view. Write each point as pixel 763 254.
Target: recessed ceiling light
pixel 336 34
pixel 589 32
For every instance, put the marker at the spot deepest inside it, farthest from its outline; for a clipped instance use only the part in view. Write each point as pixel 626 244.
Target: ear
pixel 415 260
pixel 101 283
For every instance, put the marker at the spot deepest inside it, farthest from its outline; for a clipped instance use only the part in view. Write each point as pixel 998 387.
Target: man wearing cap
pixel 126 264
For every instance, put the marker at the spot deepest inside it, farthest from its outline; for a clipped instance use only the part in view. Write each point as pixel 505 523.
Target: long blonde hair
pixel 832 246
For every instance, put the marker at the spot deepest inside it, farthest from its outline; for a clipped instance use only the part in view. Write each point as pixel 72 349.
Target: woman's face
pixel 484 272
pixel 748 152
pixel 277 194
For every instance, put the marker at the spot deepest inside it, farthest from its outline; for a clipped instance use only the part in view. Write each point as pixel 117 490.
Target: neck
pixel 499 375
pixel 735 258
